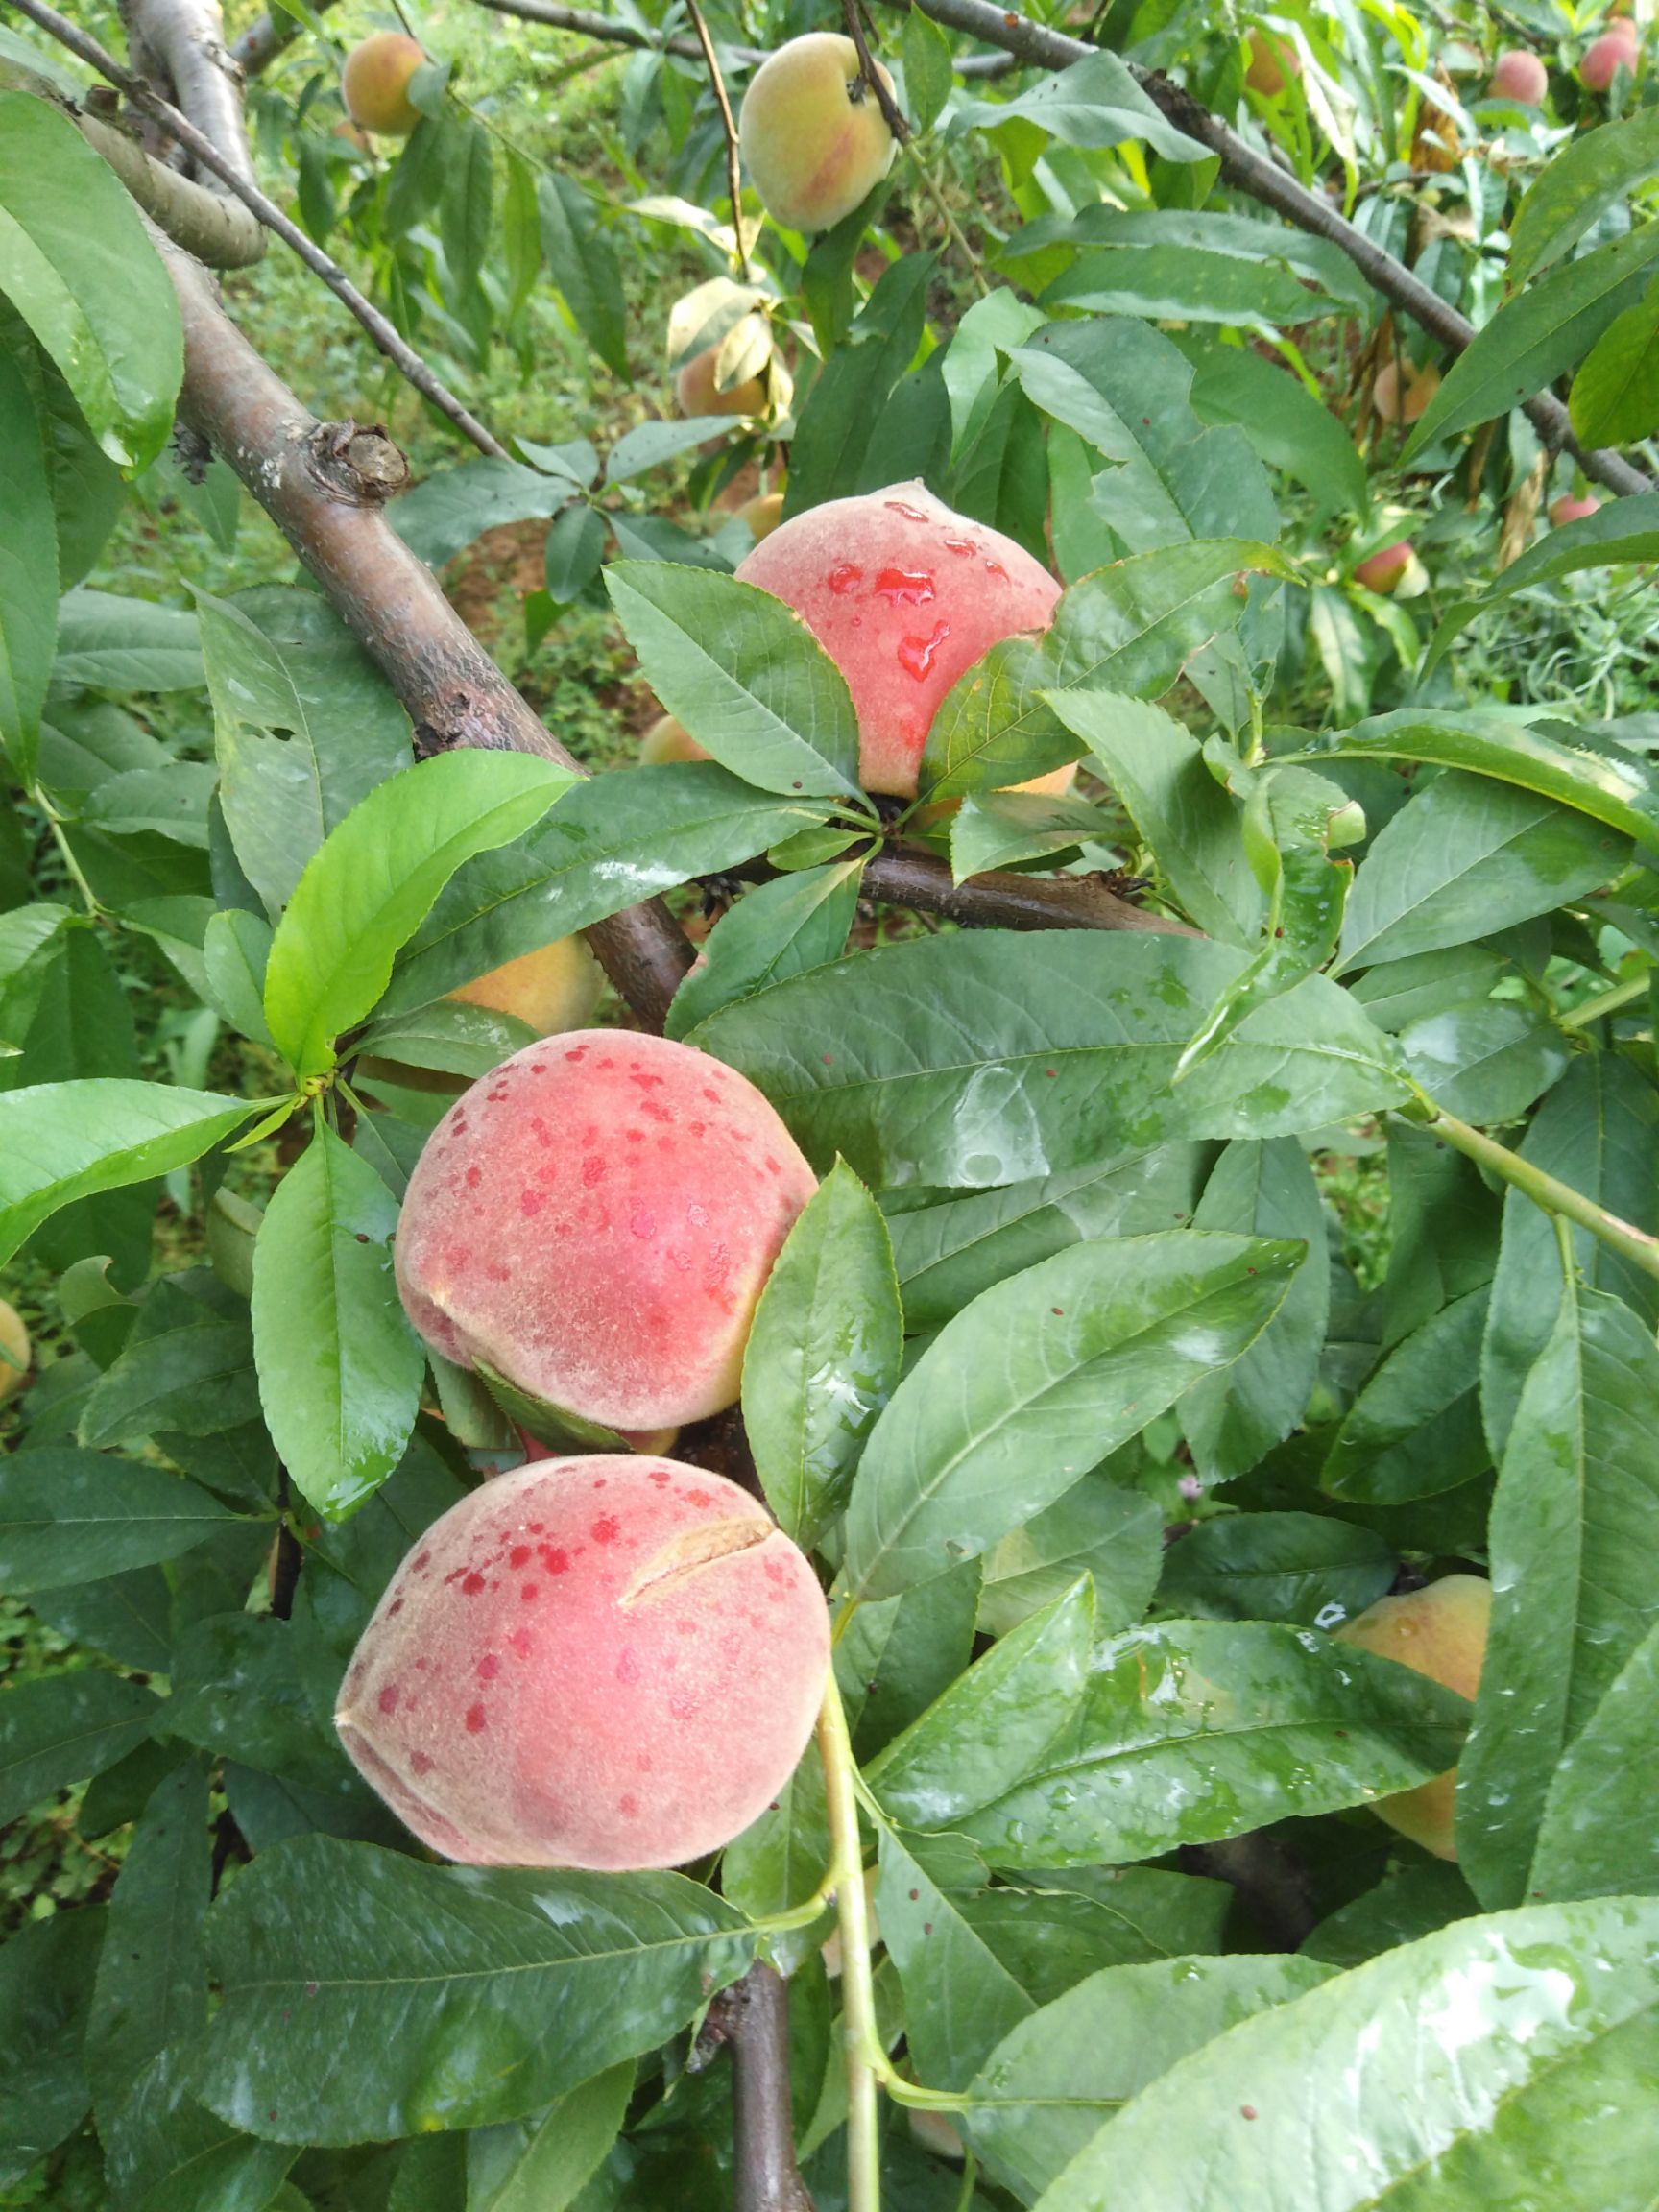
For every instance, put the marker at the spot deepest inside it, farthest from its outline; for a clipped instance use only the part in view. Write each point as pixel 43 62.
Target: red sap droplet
pixel 963 548
pixel 996 568
pixel 906 587
pixel 420 1762
pixel 910 513
pixel 472 1585
pixel 388 1699
pixel 475 1719
pixel 917 654
pixel 518 1556
pixel 844 579
pixel 606 1529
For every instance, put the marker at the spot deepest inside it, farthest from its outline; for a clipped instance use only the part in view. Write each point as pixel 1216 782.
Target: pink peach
pixel 903 596
pixel 1382 570
pixel 1617 48
pixel 1518 75
pixel 1574 507
pixel 595 1220
pixel 596 1662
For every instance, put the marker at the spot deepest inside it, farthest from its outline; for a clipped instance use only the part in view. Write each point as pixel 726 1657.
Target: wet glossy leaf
pixel 1199 1729
pixel 1052 2082
pixel 340 1367
pixel 777 931
pixel 1486 1062
pixel 368 1996
pixel 1303 1568
pixel 1597 1836
pixel 1113 1534
pixel 823 1355
pixel 1413 1900
pixel 68 1516
pixel 1414 1431
pixel 1231 1419
pixel 1500 2056
pixel 895 1657
pixel 965 1060
pixel 1575 1565
pixel 961 2000
pixel 63 1728
pixel 1037 1380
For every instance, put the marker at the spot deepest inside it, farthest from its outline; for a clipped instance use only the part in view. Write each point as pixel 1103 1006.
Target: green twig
pixel 1605 1002
pixel 1549 1191
pixel 860 2040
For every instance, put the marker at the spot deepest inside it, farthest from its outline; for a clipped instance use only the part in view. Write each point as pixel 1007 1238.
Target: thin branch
pixel 324 486
pixel 1252 172
pixel 1546 1190
pixel 269 35
pixel 203 150
pixel 766 2178
pixel 555 16
pixel 216 229
pixel 1005 900
pixel 734 164
pixel 871 77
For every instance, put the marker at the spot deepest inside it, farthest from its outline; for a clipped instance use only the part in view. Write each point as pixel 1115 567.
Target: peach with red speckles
pixel 904 596
pixel 689 1645
pixel 614 1280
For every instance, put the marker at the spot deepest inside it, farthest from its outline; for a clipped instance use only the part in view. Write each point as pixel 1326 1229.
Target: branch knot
pixel 357 462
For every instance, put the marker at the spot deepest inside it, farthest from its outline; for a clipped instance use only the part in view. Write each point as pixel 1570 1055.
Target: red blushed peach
pixel 1617 48
pixel 375 84
pixel 590 1662
pixel 1518 74
pixel 813 136
pixel 696 391
pixel 1382 570
pixel 1574 507
pixel 595 1222
pixel 1439 1631
pixel 903 596
pixel 1273 62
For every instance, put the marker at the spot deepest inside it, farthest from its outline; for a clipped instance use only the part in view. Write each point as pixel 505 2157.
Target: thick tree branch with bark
pixel 180 45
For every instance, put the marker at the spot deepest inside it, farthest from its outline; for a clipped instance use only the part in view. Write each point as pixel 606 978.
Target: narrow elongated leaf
pixel 62 1729
pixel 1038 1381
pixel 69 1517
pixel 1597 1836
pixel 368 1996
pixel 1113 1533
pixel 1281 418
pixel 454 506
pixel 777 931
pixel 1092 103
pixel 609 842
pixel 1574 1562
pixel 1189 281
pixel 582 262
pixel 743 673
pixel 1414 1431
pixel 1623 530
pixel 1303 1567
pixel 1615 391
pixel 1535 335
pixel 960 1999
pixel 893 1659
pixel 28 571
pixel 1487 1062
pixel 372 882
pixel 1199 1729
pixel 46 1972
pixel 65 1140
pixel 1054 2080
pixel 823 1355
pixel 1591 173
pixel 187 1366
pixel 126 646
pixel 77 264
pixel 542 2165
pixel 1456 2057
pixel 340 1367
pixel 975 1060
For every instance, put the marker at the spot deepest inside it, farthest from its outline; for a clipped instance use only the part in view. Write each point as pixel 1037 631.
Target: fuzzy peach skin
pixel 812 149
pixel 1439 1631
pixel 375 84
pixel 1518 75
pixel 903 596
pixel 1574 507
pixel 602 1662
pixel 595 1220
pixel 554 988
pixel 1619 48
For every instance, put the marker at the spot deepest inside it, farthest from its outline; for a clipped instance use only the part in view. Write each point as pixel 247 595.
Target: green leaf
pixel 368 1996
pixel 305 727
pixel 1197 1729
pixel 780 1860
pixel 777 931
pixel 1615 391
pixel 990 1729
pixel 1414 1431
pixel 187 1366
pixel 117 644
pixel 235 951
pixel 947 1254
pixel 1037 1380
pixel 239 1691
pixel 1054 2080
pixel 574 549
pixel 1189 281
pixel 371 884
pixel 823 1355
pixel 69 1517
pixel 967 1060
pixel 1465 857
pixel 1598 1132
pixel 1597 1836
pixel 893 1659
pixel 961 2000
pixel 1191 823
pixel 78 265
pixel 340 1368
pixel 60 1141
pixel 1411 1900
pixel 46 1973
pixel 28 571
pixel 448 510
pixel 1233 1418
pixel 1303 1568
pixel 1591 174
pixel 1575 1565
pixel 583 264
pixel 928 68
pixel 1535 335
pixel 1283 421
pixel 1621 531
pixel 170 801
pixel 1115 1535
pixel 1095 103
pixel 543 2164
pixel 1445 2066
pixel 849 399
pixel 63 1728
pixel 127 1618
pixel 466 208
pixel 1486 1062
pixel 743 673
pixel 1002 829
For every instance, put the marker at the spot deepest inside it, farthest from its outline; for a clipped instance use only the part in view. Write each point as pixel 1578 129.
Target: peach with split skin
pixel 668 740
pixel 592 1661
pixel 553 989
pixel 904 596
pixel 1574 507
pixel 595 1222
pixel 696 393
pixel 1273 62
pixel 15 1352
pixel 1518 75
pixel 1439 1631
pixel 814 138
pixel 1617 48
pixel 375 84
pixel 1402 402
pixel 1382 570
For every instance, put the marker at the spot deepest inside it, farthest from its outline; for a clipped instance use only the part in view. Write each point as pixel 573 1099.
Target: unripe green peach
pixel 553 989
pixel 594 1222
pixel 1617 48
pixel 601 1662
pixel 15 1353
pixel 903 596
pixel 696 393
pixel 375 84
pixel 813 136
pixel 1518 75
pixel 1439 1631
pixel 669 740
